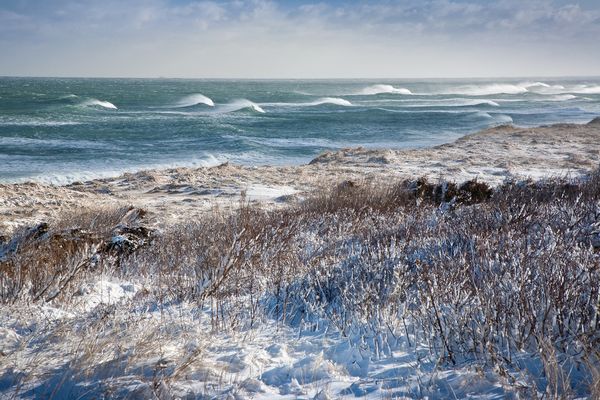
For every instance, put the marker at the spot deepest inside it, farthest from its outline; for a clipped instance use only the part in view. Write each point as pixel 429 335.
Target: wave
pixel 39 143
pixel 563 97
pixel 503 118
pixel 382 89
pixel 68 96
pixel 540 88
pixel 456 103
pixel 241 104
pixel 486 90
pixel 193 100
pixel 586 90
pixel 98 103
pixel 73 100
pixel 450 111
pixel 37 123
pixel 482 102
pixel 285 142
pixel 325 100
pixel 528 85
pixel 498 118
pixel 330 100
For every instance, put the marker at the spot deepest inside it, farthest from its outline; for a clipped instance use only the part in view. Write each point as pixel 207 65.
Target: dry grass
pixel 39 263
pixel 481 276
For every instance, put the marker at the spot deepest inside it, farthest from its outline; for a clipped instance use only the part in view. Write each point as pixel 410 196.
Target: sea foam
pixel 562 97
pixel 193 100
pixel 587 89
pixel 381 89
pixel 331 100
pixel 324 100
pixel 241 104
pixel 98 103
pixel 485 90
pixel 456 103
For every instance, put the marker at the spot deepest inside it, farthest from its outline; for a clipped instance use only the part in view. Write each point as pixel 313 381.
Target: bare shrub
pixel 496 278
pixel 41 262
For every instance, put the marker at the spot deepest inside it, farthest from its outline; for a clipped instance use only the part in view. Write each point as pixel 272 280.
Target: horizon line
pixel 300 79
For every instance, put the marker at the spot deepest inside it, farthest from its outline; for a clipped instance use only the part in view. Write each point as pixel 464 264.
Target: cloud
pixel 267 38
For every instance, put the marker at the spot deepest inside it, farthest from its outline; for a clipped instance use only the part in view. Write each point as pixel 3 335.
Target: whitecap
pixel 584 89
pixel 194 99
pixel 455 103
pixel 240 104
pixel 382 89
pixel 563 97
pixel 534 84
pixel 98 103
pixel 331 100
pixel 325 100
pixel 485 90
pixel 68 96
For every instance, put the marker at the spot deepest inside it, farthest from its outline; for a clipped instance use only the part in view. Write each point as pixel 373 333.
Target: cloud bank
pixel 296 39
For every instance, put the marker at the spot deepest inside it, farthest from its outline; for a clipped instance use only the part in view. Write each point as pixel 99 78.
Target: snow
pixel 262 192
pixel 175 346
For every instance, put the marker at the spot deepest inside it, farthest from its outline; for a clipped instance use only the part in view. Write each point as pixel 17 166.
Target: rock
pixel 596 240
pixel 322 158
pixel 595 122
pixel 322 395
pixel 348 184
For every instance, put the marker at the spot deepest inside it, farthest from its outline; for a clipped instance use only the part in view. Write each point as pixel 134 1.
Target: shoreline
pixel 493 156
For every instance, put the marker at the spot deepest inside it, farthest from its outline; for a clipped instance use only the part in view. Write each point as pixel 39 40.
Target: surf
pixel 584 89
pixel 324 100
pixel 239 105
pixel 382 89
pixel 98 103
pixel 486 90
pixel 194 100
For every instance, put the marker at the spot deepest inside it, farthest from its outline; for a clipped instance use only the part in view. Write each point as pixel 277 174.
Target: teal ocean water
pixel 62 130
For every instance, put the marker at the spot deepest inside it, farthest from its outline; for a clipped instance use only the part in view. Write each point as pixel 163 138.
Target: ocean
pixel 59 130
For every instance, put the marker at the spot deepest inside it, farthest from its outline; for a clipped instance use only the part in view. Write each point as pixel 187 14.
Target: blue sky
pixel 300 39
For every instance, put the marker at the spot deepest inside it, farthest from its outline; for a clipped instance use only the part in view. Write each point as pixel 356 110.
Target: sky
pixel 300 39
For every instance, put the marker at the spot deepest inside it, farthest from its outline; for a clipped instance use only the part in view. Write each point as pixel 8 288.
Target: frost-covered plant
pixel 507 278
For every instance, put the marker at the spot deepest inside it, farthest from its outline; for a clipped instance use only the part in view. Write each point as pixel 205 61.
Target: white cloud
pixel 255 38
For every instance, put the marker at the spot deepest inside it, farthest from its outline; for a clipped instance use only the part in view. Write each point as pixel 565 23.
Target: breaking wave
pixel 503 118
pixel 456 103
pixel 325 100
pixel 193 100
pixel 381 89
pixel 483 114
pixel 486 90
pixel 535 84
pixel 98 103
pixel 520 88
pixel 563 97
pixel 241 104
pixel 330 100
pixel 587 90
pixel 68 96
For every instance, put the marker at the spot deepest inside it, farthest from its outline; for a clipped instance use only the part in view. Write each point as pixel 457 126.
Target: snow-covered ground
pixel 112 341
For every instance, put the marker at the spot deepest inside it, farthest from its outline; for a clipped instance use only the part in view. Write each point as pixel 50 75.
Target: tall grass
pixel 504 278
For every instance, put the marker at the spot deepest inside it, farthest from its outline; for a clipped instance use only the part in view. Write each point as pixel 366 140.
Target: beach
pixel 493 156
